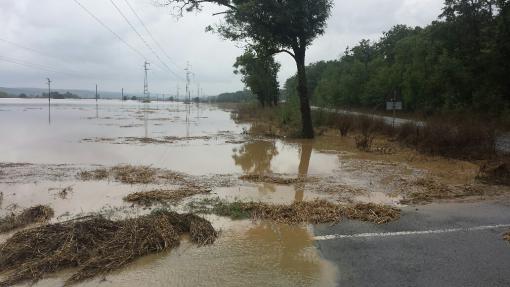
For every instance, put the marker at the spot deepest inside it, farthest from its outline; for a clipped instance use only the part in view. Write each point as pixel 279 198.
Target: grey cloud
pixel 80 45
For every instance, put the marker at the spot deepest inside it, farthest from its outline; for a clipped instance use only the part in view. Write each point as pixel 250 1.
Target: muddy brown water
pixel 205 142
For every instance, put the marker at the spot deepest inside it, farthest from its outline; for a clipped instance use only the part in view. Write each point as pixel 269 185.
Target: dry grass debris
pixel 36 214
pixel 161 196
pixel 315 212
pixel 134 174
pixel 95 246
pixel 124 173
pixel 507 237
pixel 272 179
pixel 97 174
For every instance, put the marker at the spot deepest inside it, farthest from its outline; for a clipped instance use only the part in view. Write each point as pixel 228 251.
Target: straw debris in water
pixel 161 196
pixel 272 179
pixel 95 245
pixel 29 216
pixel 97 174
pixel 315 212
pixel 124 173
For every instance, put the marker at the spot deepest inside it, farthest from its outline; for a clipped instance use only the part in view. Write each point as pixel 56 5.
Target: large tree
pixel 259 73
pixel 280 26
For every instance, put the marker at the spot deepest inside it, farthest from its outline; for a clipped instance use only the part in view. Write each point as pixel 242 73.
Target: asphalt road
pixel 456 244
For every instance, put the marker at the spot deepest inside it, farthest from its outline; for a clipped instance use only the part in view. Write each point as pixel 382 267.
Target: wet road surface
pixel 437 245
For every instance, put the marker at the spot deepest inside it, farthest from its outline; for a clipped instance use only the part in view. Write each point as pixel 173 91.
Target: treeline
pixel 236 97
pixel 54 95
pixel 461 62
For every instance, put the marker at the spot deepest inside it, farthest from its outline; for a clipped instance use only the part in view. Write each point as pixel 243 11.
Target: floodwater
pixel 204 141
pixel 201 141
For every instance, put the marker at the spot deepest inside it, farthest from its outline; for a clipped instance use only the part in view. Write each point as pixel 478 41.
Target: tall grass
pixel 455 137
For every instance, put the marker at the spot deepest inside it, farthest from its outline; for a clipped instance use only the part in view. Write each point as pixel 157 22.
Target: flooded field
pixel 44 154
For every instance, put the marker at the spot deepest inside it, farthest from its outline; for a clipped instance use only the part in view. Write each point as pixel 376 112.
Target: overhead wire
pixel 34 65
pixel 143 39
pixel 152 36
pixel 110 30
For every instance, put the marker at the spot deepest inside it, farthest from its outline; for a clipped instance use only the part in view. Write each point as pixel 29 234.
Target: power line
pixel 109 29
pixel 29 49
pixel 32 65
pixel 151 35
pixel 141 38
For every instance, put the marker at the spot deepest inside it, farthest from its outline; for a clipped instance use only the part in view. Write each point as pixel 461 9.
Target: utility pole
pixel 49 90
pixel 96 93
pixel 188 74
pixel 177 95
pixel 122 94
pixel 146 82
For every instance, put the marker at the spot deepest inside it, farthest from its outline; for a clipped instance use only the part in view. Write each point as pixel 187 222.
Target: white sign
pixel 394 106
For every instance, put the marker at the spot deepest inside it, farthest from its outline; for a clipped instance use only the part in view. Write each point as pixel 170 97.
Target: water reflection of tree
pixel 255 157
pixel 304 165
pixel 287 245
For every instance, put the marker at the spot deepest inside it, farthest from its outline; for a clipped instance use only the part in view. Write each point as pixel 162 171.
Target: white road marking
pixel 407 233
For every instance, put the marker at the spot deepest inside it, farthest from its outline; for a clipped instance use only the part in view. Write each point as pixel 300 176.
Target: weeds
pixel 507 237
pixel 495 172
pixel 364 142
pixel 345 124
pixel 36 214
pixel 95 246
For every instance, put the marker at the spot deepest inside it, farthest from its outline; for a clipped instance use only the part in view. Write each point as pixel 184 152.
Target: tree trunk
pixel 306 115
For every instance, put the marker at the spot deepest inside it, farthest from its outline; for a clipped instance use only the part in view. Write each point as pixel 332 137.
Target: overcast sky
pixel 69 46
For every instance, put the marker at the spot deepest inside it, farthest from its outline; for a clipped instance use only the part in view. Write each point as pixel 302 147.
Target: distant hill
pixel 84 94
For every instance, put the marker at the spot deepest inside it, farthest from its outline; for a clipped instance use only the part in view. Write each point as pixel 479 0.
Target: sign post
pixel 394 106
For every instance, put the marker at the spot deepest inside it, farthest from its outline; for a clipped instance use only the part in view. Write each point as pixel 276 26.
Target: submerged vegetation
pixel 95 245
pixel 36 214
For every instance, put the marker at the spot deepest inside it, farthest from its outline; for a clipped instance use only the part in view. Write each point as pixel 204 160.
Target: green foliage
pixel 259 73
pixel 460 62
pixel 275 27
pixel 236 97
